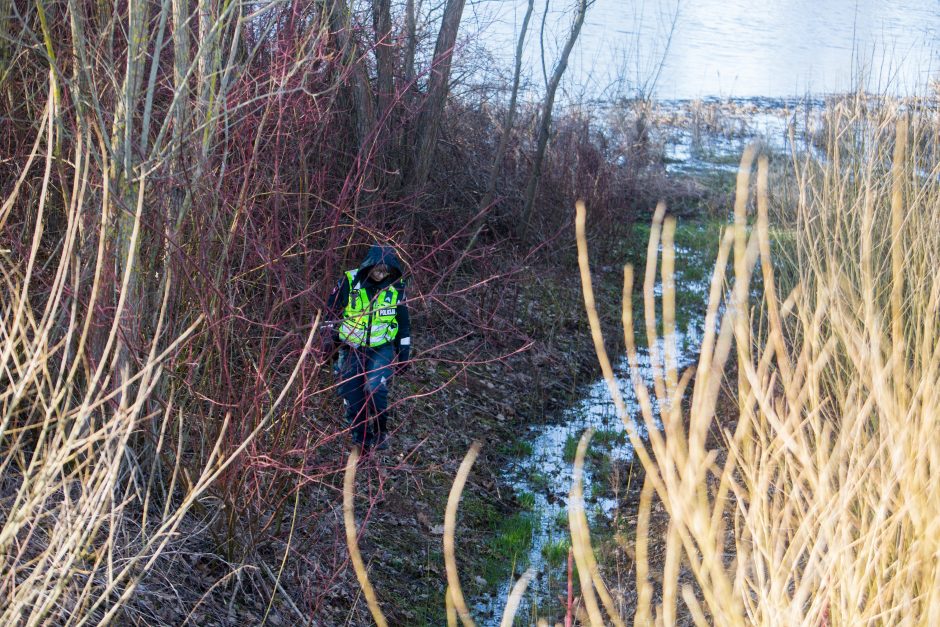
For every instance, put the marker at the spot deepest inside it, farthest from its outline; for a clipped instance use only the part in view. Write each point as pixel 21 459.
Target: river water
pixel 726 48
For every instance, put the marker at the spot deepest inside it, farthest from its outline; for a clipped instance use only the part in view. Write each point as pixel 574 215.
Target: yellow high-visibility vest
pixel 369 323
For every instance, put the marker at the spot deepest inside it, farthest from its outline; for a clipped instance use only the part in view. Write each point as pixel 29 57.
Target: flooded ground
pixel 701 136
pixel 542 478
pixel 542 475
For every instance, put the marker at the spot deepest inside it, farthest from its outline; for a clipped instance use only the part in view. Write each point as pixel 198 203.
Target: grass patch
pixel 505 539
pixel 538 480
pixel 556 553
pixel 715 180
pixel 570 448
pixel 514 536
pixel 508 550
pixel 515 448
pixel 609 437
pixel 600 472
pixel 601 440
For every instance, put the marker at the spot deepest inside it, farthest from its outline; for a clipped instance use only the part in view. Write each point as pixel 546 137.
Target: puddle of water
pixel 546 473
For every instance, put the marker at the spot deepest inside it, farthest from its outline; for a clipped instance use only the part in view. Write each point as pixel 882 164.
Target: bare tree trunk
pixel 360 91
pixel 385 160
pixel 487 199
pixel 181 115
pixel 545 119
pixel 138 17
pixel 128 186
pixel 411 43
pixel 384 55
pixel 206 11
pixel 405 127
pixel 433 110
pixel 5 48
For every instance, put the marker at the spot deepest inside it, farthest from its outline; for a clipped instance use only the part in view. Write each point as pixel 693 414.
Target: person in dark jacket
pixel 373 329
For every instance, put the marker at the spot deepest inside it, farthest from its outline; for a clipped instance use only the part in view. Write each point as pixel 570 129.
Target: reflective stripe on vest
pixel 366 324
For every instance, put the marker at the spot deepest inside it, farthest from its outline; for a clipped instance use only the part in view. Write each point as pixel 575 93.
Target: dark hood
pixel 381 254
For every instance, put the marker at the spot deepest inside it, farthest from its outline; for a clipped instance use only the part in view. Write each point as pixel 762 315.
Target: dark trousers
pixel 364 377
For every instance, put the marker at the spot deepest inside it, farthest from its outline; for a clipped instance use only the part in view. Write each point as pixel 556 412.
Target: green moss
pixel 478 512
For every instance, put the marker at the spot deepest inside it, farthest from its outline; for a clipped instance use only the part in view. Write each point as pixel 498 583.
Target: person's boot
pixel 357 442
pixel 381 441
pixel 361 437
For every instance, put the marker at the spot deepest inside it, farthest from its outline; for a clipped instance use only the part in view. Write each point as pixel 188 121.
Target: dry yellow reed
pixel 515 598
pixel 835 419
pixel 450 527
pixel 450 609
pixel 580 535
pixel 598 338
pixel 349 519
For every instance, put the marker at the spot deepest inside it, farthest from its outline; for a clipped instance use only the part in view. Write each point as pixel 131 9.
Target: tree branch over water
pixel 545 119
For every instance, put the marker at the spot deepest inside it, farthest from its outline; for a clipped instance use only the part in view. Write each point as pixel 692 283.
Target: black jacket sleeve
pixel 403 339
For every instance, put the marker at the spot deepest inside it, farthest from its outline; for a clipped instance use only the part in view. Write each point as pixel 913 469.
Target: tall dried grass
pixel 84 515
pixel 820 505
